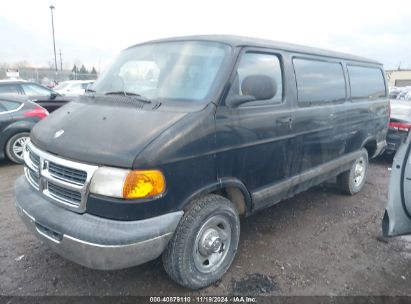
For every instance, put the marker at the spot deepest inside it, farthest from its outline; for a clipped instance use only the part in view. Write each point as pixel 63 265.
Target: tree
pixel 83 73
pixel 74 69
pixel 74 72
pixel 93 71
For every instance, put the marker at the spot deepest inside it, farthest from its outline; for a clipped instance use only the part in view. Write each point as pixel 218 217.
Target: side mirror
pixel 53 95
pixel 237 100
pixel 254 87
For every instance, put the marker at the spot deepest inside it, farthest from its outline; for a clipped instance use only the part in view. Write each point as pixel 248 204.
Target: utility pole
pixel 61 62
pixel 54 40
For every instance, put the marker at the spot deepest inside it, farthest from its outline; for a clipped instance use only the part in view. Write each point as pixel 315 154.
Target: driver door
pixel 255 139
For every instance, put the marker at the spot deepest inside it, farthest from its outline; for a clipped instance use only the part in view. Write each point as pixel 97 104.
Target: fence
pixel 47 76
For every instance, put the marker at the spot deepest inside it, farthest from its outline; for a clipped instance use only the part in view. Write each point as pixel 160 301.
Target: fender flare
pixel 219 185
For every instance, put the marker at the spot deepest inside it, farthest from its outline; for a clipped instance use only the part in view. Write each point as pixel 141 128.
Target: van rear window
pixel 319 81
pixel 366 82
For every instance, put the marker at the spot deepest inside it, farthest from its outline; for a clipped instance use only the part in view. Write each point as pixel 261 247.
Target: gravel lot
pixel 318 243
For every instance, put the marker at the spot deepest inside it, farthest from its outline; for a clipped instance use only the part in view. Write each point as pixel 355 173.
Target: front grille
pixel 77 177
pixel 35 159
pixel 62 181
pixel 68 196
pixel 34 177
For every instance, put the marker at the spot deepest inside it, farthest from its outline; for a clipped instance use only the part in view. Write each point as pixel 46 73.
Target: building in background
pixel 399 78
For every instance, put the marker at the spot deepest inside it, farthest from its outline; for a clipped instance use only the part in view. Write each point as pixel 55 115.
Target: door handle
pixel 286 120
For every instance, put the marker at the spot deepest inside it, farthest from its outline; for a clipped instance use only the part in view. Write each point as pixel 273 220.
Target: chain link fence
pixel 48 76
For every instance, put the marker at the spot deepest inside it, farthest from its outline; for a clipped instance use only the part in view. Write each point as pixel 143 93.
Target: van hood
pixel 102 133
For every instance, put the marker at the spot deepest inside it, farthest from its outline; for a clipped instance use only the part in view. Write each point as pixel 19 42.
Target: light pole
pixel 54 41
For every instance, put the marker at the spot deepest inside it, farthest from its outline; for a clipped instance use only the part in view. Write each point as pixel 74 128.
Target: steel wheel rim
pixel 359 171
pixel 18 147
pixel 212 243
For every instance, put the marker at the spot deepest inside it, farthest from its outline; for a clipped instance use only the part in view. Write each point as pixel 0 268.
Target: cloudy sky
pixel 93 32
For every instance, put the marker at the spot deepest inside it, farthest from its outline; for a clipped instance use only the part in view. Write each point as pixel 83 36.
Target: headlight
pixel 127 184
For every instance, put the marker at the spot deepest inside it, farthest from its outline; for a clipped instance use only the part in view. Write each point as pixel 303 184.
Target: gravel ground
pixel 318 243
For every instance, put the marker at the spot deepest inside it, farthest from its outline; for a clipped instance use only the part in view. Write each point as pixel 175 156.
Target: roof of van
pixel 239 41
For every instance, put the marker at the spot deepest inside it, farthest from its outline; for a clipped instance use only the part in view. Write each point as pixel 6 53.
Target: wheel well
pixel 236 196
pixel 371 147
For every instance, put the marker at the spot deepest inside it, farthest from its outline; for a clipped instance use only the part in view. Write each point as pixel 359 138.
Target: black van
pixel 181 137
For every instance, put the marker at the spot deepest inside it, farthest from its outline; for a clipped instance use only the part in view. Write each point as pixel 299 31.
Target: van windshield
pixel 180 71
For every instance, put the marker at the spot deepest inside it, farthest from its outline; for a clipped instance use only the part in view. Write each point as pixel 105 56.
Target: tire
pixel 352 181
pixel 209 231
pixel 15 146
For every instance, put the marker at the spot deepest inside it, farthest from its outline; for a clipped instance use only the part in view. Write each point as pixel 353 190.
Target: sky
pixel 93 32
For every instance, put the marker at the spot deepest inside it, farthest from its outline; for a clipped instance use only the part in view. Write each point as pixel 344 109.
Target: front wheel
pixel 352 181
pixel 15 147
pixel 204 244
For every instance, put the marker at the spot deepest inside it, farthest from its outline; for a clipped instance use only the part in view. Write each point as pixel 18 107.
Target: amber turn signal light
pixel 143 183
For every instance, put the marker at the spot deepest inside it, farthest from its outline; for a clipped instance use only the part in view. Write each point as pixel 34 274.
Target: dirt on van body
pixel 320 242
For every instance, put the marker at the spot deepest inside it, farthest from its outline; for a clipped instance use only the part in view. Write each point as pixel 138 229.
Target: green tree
pixel 93 73
pixel 83 73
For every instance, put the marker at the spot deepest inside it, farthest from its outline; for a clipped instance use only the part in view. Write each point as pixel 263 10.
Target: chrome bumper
pixel 92 241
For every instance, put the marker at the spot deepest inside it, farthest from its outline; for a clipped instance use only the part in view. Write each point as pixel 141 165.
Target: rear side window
pixel 9 105
pixel 9 89
pixel 366 82
pixel 319 81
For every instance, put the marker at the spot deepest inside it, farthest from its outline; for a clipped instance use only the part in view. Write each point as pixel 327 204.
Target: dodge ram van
pixel 182 137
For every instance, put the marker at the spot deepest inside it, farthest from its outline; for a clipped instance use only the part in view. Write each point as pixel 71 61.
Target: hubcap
pixel 18 147
pixel 212 243
pixel 359 171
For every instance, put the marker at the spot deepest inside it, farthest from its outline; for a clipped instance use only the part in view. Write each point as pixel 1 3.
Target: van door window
pixel 366 82
pixel 319 81
pixel 259 66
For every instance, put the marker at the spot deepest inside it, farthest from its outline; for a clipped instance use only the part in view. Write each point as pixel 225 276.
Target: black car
pixel 17 118
pixel 183 137
pixel 45 97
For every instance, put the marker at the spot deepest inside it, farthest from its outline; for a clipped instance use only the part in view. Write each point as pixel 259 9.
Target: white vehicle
pixel 73 87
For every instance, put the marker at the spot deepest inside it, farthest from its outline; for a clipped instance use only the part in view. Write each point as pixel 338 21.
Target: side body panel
pixel 323 140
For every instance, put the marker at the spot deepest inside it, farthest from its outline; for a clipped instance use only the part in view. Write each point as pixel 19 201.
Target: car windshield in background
pixel 180 71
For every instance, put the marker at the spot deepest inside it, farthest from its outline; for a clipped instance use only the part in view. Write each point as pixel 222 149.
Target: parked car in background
pixel 394 92
pixel 17 117
pixel 182 137
pixel 43 96
pixel 399 125
pixel 397 216
pixel 400 93
pixel 73 87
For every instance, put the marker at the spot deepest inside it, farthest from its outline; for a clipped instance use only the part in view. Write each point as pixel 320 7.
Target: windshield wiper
pixel 139 97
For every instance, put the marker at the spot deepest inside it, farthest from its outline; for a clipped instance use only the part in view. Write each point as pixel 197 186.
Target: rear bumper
pixel 92 241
